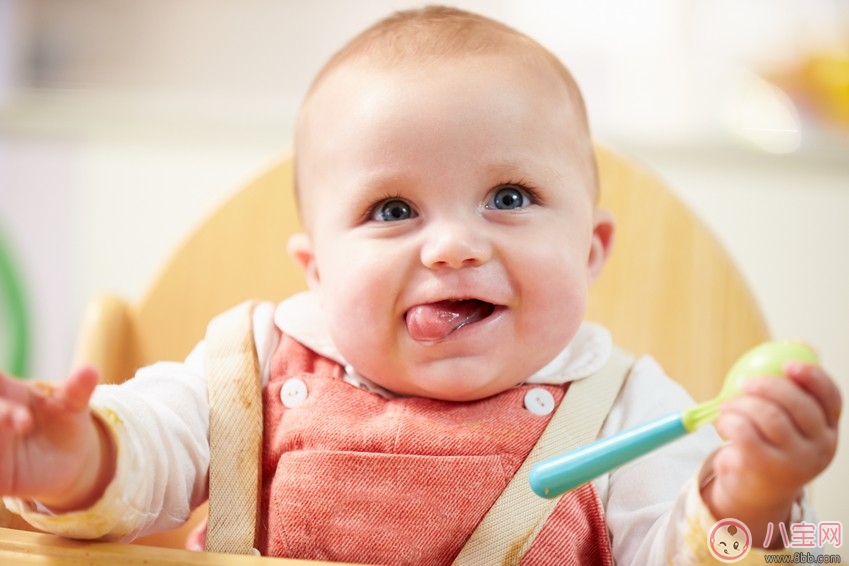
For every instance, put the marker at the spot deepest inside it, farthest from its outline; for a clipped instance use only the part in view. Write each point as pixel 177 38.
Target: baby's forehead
pixel 514 68
pixel 510 55
pixel 362 87
pixel 356 79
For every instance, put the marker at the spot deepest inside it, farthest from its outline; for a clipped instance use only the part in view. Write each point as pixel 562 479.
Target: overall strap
pixel 510 526
pixel 235 431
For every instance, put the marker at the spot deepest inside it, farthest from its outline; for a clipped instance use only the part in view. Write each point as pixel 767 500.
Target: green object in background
pixel 14 324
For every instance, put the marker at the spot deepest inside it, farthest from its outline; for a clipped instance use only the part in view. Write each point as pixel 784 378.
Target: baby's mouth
pixel 432 322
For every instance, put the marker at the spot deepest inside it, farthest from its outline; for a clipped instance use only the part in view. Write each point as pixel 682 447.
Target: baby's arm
pixel 159 421
pixel 782 433
pixel 52 448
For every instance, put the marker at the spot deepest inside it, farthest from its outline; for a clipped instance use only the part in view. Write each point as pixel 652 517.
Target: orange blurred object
pixel 820 84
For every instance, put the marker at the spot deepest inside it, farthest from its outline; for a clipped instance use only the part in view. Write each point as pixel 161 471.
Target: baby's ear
pixel 301 250
pixel 604 227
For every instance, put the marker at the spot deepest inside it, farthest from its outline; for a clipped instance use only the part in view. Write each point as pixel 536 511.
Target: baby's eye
pixel 509 197
pixel 392 210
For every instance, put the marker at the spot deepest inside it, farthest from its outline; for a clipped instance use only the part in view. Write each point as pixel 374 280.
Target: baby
pixel 448 192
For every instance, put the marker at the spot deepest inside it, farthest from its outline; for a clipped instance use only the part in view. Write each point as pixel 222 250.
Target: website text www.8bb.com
pixel 802 558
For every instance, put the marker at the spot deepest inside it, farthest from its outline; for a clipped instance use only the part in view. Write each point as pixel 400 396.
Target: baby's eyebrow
pixel 374 186
pixel 378 184
pixel 523 169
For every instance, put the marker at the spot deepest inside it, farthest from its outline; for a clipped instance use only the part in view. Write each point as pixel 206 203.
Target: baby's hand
pixel 782 433
pixel 51 447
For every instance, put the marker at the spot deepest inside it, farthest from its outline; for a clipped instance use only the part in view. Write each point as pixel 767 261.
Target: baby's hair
pixel 440 33
pixel 437 33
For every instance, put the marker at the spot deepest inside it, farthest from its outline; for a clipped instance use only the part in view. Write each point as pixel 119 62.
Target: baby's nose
pixel 455 245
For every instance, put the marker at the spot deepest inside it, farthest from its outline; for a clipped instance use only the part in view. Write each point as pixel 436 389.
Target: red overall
pixel 351 476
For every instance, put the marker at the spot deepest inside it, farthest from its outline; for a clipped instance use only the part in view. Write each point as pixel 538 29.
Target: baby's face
pixel 452 233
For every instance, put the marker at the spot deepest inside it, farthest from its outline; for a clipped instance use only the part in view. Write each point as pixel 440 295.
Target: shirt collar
pixel 302 318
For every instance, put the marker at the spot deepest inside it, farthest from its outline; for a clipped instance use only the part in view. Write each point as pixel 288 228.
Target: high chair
pixel 669 288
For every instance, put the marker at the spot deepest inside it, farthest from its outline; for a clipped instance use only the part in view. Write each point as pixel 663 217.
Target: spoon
pixel 559 474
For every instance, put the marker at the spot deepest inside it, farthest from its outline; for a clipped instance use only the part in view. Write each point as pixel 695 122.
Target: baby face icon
pixel 729 540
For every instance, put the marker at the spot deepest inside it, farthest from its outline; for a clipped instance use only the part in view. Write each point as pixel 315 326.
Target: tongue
pixel 435 321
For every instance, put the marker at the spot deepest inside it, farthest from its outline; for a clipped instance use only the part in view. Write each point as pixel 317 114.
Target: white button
pixel 293 393
pixel 539 401
pixel 255 552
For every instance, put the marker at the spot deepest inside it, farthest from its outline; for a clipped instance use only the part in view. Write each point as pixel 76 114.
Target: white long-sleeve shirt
pixel 160 422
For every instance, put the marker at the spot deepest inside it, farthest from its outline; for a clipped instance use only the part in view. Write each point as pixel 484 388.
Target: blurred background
pixel 123 123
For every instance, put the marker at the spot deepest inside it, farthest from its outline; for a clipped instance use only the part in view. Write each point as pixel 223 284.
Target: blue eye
pixel 508 197
pixel 392 210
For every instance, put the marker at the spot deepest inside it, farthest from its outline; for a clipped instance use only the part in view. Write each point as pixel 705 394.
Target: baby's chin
pixel 448 388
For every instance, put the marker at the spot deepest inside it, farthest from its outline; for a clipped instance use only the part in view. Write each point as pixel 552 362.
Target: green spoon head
pixel 765 360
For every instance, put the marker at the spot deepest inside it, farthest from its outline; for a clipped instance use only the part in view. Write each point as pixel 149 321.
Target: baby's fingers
pixel 820 386
pixel 20 399
pixel 76 391
pixel 761 420
pixel 767 396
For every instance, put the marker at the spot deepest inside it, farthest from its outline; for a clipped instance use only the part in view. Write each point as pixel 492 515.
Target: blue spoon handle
pixel 558 474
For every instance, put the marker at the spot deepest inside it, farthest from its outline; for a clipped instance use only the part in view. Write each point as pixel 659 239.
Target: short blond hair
pixel 441 33
pixel 438 33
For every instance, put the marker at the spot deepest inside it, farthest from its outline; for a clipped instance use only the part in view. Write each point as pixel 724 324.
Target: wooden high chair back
pixel 669 288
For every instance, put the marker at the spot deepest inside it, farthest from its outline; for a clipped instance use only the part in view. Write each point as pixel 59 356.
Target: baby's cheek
pixel 554 324
pixel 354 327
pixel 561 306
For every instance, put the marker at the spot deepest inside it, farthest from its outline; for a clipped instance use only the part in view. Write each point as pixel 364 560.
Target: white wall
pixel 166 106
